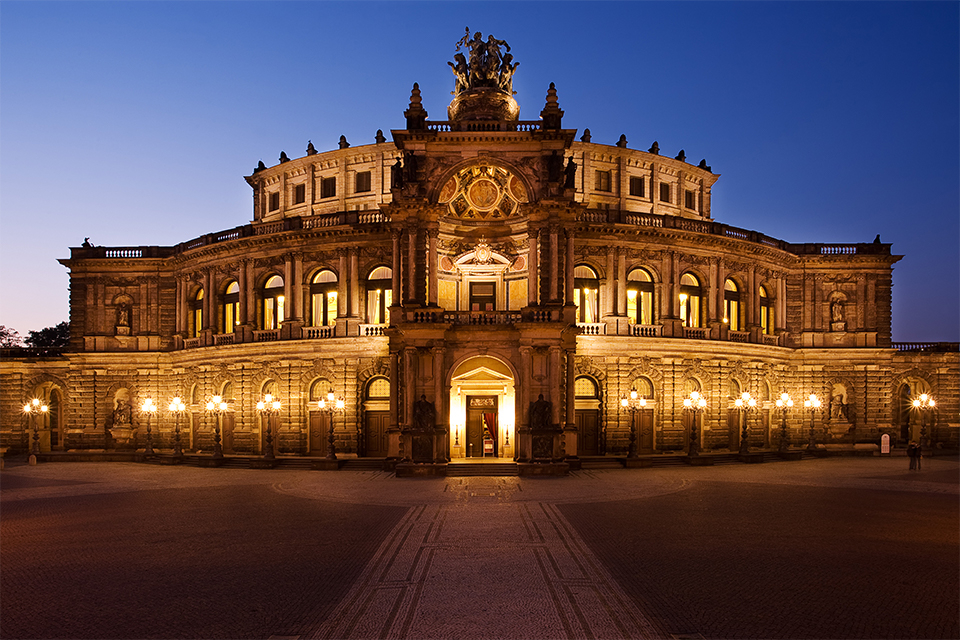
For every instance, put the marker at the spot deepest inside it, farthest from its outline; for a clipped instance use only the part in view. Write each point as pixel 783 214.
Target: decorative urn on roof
pixel 484 88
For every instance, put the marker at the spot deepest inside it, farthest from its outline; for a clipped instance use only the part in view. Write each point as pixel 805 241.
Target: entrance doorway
pixel 482 432
pixel 375 430
pixel 319 433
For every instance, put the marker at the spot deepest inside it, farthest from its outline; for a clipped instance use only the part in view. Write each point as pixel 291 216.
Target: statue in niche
pixel 424 414
pixel 396 174
pixel 410 167
pixel 123 315
pixel 123 414
pixel 570 174
pixel 838 409
pixel 836 311
pixel 540 413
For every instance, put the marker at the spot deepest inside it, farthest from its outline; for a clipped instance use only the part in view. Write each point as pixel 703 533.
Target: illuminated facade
pixel 442 281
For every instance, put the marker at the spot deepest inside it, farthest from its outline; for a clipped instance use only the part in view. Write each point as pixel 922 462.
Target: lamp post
pixel 270 407
pixel 695 404
pixel 177 407
pixel 35 407
pixel 149 408
pixel 813 404
pixel 924 403
pixel 745 403
pixel 784 402
pixel 633 404
pixel 330 405
pixel 217 406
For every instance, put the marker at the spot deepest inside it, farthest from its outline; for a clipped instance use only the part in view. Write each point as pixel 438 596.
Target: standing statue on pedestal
pixel 540 413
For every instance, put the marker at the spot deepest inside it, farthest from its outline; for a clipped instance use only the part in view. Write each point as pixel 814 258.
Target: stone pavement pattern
pixel 831 548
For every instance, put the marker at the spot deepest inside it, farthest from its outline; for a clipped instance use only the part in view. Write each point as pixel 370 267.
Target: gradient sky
pixel 134 123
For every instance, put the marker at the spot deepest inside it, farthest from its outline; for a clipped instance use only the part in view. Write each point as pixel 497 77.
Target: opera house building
pixel 480 286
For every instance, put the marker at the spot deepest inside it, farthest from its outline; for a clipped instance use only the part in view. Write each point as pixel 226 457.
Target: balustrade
pixel 738 336
pixel 647 330
pixel 697 333
pixel 266 336
pixel 592 328
pixel 312 333
pixel 224 338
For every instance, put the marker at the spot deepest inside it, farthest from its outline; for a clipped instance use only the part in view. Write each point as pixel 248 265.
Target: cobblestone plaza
pixel 826 548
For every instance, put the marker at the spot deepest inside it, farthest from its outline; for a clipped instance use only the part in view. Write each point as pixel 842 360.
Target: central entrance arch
pixel 482 409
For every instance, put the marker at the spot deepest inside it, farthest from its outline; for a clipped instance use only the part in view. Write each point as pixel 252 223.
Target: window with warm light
pixel 323 299
pixel 766 312
pixel 586 294
pixel 640 297
pixel 196 315
pixel 230 309
pixel 379 295
pixel 691 301
pixel 273 301
pixel 731 305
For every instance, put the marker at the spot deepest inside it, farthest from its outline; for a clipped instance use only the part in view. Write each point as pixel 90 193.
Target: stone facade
pixel 481 276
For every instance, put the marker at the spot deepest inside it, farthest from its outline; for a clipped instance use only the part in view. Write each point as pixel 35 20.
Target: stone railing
pixel 312 333
pixel 191 343
pixel 697 333
pixel 592 328
pixel 647 330
pixel 482 317
pixel 224 338
pixel 770 340
pixel 444 126
pixel 372 330
pixel 738 336
pixel 270 335
pixel 935 347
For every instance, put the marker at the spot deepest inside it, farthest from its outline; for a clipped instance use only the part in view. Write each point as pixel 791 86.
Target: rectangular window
pixel 274 201
pixel 636 187
pixel 363 181
pixel 328 187
pixel 483 296
pixel 603 181
pixel 690 201
pixel 664 192
pixel 300 194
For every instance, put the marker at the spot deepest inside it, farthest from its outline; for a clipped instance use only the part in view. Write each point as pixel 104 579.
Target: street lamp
pixel 330 405
pixel 35 407
pixel 217 406
pixel 270 407
pixel 924 404
pixel 745 403
pixel 813 404
pixel 149 408
pixel 633 404
pixel 784 402
pixel 177 407
pixel 695 404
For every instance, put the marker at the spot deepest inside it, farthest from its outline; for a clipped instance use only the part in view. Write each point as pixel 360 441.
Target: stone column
pixel 522 437
pixel 395 234
pixel 342 279
pixel 180 305
pixel 568 270
pixel 621 298
pixel 209 298
pixel 289 311
pixel 610 291
pixel 441 445
pixel 393 438
pixel 297 287
pixel 249 294
pixel 411 264
pixel 533 272
pixel 554 262
pixel 354 280
pixel 432 267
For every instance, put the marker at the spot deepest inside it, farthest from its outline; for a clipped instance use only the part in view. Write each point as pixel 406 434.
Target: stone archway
pixel 483 409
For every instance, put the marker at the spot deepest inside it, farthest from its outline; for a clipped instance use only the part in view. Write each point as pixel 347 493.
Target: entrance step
pixel 455 469
pixel 362 464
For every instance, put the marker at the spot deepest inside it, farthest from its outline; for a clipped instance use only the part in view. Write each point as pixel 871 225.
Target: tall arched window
pixel 323 299
pixel 731 305
pixel 766 312
pixel 379 295
pixel 586 294
pixel 196 315
pixel 644 387
pixel 691 301
pixel 273 303
pixel 230 311
pixel 640 297
pixel 584 387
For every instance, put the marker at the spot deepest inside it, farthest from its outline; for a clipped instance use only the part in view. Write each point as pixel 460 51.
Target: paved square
pixel 834 548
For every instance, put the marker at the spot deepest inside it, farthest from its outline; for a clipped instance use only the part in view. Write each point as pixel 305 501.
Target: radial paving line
pixel 491 570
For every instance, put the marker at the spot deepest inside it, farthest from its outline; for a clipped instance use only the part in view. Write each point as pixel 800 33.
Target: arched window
pixel 270 387
pixel 230 311
pixel 379 295
pixel 196 315
pixel 586 294
pixel 378 389
pixel 691 301
pixel 640 297
pixel 195 394
pixel 731 305
pixel 227 392
pixel 733 389
pixel 584 387
pixel 273 303
pixel 323 299
pixel 319 390
pixel 766 312
pixel 644 387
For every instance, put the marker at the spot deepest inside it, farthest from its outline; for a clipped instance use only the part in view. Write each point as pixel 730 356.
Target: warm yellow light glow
pixel 623 403
pixel 631 294
pixel 260 406
pixel 36 402
pixel 923 397
pixel 217 399
pixel 321 405
pixel 209 406
pixel 738 402
pixel 268 397
pixel 694 395
pixel 683 297
pixel 784 397
pixel 726 320
pixel 340 404
pixel 330 396
pixel 276 405
pixel 44 408
pixel 687 402
pixel 26 408
pixel 916 402
pixel 643 402
pixel 633 394
pixel 931 403
pixel 223 406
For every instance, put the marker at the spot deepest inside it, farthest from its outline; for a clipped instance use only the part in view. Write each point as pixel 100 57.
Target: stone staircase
pixel 455 469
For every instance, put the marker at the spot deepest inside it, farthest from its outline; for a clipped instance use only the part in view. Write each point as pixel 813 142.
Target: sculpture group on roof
pixel 487 67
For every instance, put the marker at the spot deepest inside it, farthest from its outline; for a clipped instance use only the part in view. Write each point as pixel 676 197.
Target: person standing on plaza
pixel 918 454
pixel 912 454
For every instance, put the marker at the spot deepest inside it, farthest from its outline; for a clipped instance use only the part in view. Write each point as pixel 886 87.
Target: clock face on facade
pixel 483 193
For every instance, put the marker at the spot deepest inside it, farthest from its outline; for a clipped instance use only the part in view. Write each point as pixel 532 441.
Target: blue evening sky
pixel 134 123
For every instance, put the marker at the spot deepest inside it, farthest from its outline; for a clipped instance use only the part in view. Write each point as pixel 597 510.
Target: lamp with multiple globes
pixel 32 408
pixel 331 405
pixel 925 404
pixel 633 404
pixel 177 408
pixel 218 407
pixel 695 404
pixel 784 403
pixel 745 403
pixel 149 409
pixel 813 404
pixel 271 407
